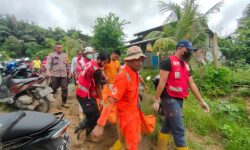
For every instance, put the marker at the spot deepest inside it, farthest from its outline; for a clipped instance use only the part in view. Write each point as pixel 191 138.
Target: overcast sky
pixel 142 14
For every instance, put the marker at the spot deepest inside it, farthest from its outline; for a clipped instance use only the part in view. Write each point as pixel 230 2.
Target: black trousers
pixel 91 111
pixel 56 82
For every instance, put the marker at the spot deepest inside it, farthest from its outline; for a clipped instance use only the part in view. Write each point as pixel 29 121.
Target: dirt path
pixel 72 115
pixel 108 138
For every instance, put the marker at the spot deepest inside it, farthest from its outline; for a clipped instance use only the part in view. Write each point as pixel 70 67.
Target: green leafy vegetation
pixel 108 33
pixel 215 82
pixel 164 46
pixel 241 77
pixel 19 38
pixel 243 92
pixel 236 47
pixel 149 73
pixel 187 22
pixel 228 120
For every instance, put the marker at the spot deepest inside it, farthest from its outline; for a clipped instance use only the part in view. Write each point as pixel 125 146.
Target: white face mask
pixel 90 56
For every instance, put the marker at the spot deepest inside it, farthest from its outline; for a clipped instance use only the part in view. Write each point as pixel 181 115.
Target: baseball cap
pixel 134 52
pixel 88 49
pixel 187 44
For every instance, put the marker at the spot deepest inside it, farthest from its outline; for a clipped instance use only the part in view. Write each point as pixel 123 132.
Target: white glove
pixel 156 106
pixel 204 106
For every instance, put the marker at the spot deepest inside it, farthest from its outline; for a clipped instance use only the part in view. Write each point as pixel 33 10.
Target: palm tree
pixel 187 22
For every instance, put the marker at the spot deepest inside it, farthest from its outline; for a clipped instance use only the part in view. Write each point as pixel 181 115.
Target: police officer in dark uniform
pixel 57 68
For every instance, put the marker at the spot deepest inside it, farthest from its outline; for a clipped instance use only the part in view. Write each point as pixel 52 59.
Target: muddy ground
pixel 108 138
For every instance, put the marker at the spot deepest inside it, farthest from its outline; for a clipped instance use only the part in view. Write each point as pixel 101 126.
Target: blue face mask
pixel 90 56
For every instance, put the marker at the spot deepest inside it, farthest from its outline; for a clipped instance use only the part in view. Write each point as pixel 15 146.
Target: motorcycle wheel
pixel 45 105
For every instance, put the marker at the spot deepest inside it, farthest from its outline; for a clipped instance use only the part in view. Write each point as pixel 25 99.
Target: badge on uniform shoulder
pixel 176 75
pixel 176 63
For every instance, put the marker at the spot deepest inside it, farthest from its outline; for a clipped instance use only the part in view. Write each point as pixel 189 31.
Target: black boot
pixel 89 129
pixel 81 126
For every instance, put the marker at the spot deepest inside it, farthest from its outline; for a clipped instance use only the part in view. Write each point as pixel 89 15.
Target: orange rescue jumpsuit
pixel 125 91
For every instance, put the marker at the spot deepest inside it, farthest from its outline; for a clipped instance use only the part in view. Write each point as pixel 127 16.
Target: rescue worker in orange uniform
pixel 110 72
pixel 113 68
pixel 89 89
pixel 125 95
pixel 175 79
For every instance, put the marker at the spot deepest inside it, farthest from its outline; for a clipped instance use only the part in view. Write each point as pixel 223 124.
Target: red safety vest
pixel 79 67
pixel 86 86
pixel 177 82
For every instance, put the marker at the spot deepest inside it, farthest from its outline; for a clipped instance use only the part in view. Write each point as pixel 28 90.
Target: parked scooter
pixel 1 68
pixel 29 130
pixel 21 71
pixel 10 67
pixel 26 94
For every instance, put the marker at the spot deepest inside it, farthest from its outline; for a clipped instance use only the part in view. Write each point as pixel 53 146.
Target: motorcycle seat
pixel 33 122
pixel 17 81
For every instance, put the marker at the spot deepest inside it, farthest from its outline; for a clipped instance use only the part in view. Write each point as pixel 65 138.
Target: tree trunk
pixel 215 50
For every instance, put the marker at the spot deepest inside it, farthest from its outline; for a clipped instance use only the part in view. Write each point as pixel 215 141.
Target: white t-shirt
pixel 73 64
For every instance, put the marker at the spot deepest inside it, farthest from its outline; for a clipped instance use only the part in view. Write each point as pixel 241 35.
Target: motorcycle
pixel 1 68
pixel 19 72
pixel 24 72
pixel 10 67
pixel 31 130
pixel 26 94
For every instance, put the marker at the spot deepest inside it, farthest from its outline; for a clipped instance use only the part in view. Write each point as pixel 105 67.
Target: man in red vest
pixel 77 65
pixel 82 60
pixel 175 79
pixel 89 89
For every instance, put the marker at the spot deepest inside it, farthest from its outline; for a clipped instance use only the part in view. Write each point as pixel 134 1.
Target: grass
pixel 228 119
pixel 243 92
pixel 242 77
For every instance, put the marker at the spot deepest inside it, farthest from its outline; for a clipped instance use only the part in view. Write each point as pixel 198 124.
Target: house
pixel 140 41
pixel 200 55
pixel 146 46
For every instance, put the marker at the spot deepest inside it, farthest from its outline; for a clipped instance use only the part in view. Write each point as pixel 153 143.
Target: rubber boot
pixel 117 145
pixel 162 141
pixel 182 148
pixel 81 126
